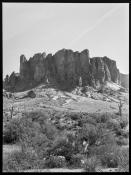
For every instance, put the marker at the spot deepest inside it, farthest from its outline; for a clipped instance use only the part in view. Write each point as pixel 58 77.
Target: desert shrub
pixel 124 133
pixel 90 164
pixel 109 160
pixel 88 119
pixel 21 161
pixel 123 122
pixel 75 161
pixel 55 162
pixel 123 160
pixel 96 135
pixel 109 157
pixel 121 141
pixel 37 116
pixel 102 118
pixel 89 133
pixel 61 147
pixel 75 116
pixel 121 132
pixel 12 132
pixel 31 133
pixel 113 124
pixel 64 145
pixel 51 130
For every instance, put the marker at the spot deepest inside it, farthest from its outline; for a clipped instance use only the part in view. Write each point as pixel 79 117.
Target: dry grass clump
pixel 109 158
pixel 90 164
pixel 123 160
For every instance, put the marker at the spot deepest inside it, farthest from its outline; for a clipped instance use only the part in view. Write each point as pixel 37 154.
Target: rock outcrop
pixel 65 68
pixel 124 80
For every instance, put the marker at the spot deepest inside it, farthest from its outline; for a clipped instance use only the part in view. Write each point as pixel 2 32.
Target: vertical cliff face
pixel 66 67
pixel 38 67
pixel 23 67
pixel 124 80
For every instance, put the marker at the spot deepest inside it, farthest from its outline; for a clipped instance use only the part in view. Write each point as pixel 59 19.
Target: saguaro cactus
pixel 11 111
pixel 80 82
pixel 120 108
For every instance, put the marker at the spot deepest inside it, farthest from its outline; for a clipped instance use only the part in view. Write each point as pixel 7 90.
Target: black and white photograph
pixel 65 70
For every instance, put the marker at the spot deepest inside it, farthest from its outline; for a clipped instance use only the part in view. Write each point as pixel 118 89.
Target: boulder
pixel 31 94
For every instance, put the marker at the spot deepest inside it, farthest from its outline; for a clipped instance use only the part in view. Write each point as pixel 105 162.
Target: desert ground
pixel 58 105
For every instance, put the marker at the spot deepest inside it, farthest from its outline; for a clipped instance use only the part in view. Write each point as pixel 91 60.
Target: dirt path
pixel 70 170
pixel 9 149
pixel 55 170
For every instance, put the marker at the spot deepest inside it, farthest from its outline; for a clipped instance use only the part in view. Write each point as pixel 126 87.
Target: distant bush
pixel 88 119
pixel 75 116
pixel 102 118
pixel 37 116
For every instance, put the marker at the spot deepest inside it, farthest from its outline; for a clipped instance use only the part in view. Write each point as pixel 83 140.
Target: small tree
pixel 6 81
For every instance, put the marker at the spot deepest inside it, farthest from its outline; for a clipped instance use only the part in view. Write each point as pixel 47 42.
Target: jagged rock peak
pixel 65 68
pixel 22 59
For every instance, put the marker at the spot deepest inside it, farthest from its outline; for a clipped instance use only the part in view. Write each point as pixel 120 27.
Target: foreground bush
pixel 109 160
pixel 22 161
pixel 123 160
pixel 123 122
pixel 55 162
pixel 62 146
pixel 12 132
pixel 75 161
pixel 90 164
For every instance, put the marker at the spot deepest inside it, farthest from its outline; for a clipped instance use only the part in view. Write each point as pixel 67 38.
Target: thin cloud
pixel 106 15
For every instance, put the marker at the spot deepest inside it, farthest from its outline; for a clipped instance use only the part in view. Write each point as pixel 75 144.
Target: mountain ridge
pixel 65 68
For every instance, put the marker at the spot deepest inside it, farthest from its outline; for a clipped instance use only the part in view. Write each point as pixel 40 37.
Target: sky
pixel 29 28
